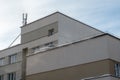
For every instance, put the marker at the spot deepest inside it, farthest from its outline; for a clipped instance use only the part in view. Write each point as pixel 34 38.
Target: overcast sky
pixel 101 14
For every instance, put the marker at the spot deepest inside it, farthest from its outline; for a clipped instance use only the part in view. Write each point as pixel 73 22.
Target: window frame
pixel 117 70
pixel 2 61
pixel 11 76
pixel 36 49
pixel 13 58
pixel 50 32
pixel 50 44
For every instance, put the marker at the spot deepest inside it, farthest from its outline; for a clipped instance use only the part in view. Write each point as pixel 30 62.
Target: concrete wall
pixel 71 30
pixel 10 51
pixel 91 71
pixel 10 68
pixel 39 23
pixel 114 48
pixel 73 62
pixel 39 33
pixel 79 53
pixel 16 67
pixel 41 41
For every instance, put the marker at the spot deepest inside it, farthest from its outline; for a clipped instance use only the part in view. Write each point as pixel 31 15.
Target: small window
pixel 2 61
pixel 1 77
pixel 117 70
pixel 50 32
pixel 13 58
pixel 12 76
pixel 36 49
pixel 50 44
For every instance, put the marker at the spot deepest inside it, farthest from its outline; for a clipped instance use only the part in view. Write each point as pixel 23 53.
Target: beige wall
pixel 39 33
pixel 78 53
pixel 114 48
pixel 74 54
pixel 41 41
pixel 18 76
pixel 10 68
pixel 78 72
pixel 71 30
pixel 10 51
pixel 16 67
pixel 39 23
pixel 7 68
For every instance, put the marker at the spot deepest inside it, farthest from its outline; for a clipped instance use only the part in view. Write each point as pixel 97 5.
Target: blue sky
pixel 101 14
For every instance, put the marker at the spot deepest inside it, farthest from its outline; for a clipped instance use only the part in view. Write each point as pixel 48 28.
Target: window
pixel 36 49
pixel 2 61
pixel 50 32
pixel 50 44
pixel 1 77
pixel 12 76
pixel 117 70
pixel 13 58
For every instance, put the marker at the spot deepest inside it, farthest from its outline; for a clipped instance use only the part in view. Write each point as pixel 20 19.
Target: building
pixel 58 47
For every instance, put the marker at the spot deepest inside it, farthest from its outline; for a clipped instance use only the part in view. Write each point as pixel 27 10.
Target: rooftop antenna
pixel 24 17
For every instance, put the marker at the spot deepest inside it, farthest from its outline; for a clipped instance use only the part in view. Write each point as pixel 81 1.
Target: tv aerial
pixel 24 17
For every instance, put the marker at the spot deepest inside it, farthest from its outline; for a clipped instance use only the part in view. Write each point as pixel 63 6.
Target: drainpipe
pixel 23 74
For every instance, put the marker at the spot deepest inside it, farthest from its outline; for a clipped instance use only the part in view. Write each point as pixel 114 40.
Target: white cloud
pixel 103 15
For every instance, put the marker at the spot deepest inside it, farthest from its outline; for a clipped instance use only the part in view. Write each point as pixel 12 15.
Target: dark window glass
pixel 12 76
pixel 117 70
pixel 12 58
pixel 50 32
pixel 1 77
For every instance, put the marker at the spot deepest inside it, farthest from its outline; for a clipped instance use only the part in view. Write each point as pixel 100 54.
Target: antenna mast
pixel 24 22
pixel 24 17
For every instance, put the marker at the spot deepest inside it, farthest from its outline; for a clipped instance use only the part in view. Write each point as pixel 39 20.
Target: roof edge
pixel 65 16
pixel 81 22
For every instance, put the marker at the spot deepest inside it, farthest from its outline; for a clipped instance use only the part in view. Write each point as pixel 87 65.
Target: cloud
pixel 103 15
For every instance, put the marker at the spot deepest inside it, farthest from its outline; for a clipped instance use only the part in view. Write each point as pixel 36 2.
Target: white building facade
pixel 58 47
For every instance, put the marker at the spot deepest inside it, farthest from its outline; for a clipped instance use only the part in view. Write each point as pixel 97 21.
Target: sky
pixel 100 14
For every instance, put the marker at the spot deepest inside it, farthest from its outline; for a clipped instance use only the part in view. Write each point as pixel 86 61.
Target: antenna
pixel 24 17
